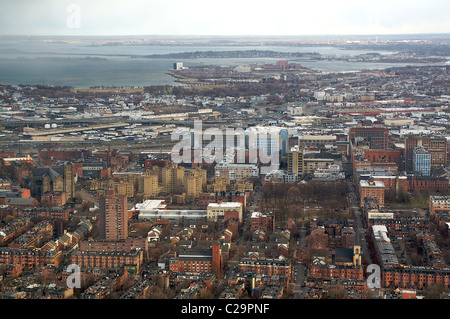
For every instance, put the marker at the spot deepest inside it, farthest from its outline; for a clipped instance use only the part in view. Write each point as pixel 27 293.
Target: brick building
pixel 29 258
pixel 113 217
pixel 371 189
pixel 373 137
pixel 262 221
pixel 128 244
pixel 106 260
pixel 198 260
pixel 384 156
pixel 267 267
pixel 319 238
pixel 436 146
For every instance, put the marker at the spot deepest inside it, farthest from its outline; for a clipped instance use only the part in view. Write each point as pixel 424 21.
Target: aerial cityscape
pixel 224 167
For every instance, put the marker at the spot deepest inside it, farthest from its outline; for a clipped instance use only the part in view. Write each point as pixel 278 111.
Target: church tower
pixel 69 181
pixel 356 255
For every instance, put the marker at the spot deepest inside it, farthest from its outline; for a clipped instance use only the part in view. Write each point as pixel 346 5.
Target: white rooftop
pixel 225 204
pixel 151 205
pixel 365 183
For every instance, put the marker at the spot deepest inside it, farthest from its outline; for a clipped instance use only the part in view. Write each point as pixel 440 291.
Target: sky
pixel 223 17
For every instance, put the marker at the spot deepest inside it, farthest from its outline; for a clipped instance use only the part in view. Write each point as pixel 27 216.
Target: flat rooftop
pixel 365 183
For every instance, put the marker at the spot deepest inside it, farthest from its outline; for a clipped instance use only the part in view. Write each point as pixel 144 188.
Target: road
pixel 86 196
pixel 300 288
pixel 359 227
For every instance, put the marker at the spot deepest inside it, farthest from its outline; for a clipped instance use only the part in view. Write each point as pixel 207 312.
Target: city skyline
pixel 233 18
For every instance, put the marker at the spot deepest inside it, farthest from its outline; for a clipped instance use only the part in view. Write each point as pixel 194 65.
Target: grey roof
pixel 52 172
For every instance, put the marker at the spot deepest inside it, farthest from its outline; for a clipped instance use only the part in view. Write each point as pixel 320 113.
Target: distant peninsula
pixel 234 54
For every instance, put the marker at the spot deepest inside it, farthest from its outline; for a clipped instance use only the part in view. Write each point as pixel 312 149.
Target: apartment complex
pixel 373 137
pixel 371 189
pixel 236 172
pixel 224 211
pixel 113 217
pixel 435 146
pixel 421 161
pixel 262 221
pixel 295 160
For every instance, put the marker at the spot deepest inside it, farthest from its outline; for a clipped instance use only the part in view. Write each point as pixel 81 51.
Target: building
pixel 373 137
pixel 194 182
pixel 371 189
pixel 113 217
pixel 148 184
pixel 384 156
pixel 316 141
pixel 157 210
pixel 384 251
pixel 54 179
pixel 315 160
pixel 280 176
pixel 172 178
pixel 218 211
pixel 295 161
pixel 267 267
pixel 128 245
pixel 319 238
pixel 436 146
pixel 439 203
pixel 262 221
pixel 178 66
pixel 236 172
pixel 194 260
pixel 330 174
pixel 421 161
pixel 108 260
pixel 267 140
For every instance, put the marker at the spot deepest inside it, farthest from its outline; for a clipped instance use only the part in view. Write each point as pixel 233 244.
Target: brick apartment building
pixel 128 244
pixel 268 267
pixel 374 137
pixel 417 277
pixel 29 258
pixel 436 146
pixel 319 238
pixel 198 260
pixel 371 189
pixel 384 156
pixel 106 260
pixel 262 221
pixel 439 203
pixel 113 217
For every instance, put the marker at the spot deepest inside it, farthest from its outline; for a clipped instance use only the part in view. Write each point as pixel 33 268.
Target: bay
pixel 83 64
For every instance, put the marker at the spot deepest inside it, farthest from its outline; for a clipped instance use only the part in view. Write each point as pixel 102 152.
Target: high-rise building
pixel 69 181
pixel 295 161
pixel 436 146
pixel 113 218
pixel 148 184
pixel 421 161
pixel 172 179
pixel 194 182
pixel 178 66
pixel 373 137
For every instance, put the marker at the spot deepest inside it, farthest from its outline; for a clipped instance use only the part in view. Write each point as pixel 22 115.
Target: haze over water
pixel 80 64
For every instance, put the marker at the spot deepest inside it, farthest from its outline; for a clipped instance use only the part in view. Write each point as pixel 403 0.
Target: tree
pixel 434 291
pixel 8 219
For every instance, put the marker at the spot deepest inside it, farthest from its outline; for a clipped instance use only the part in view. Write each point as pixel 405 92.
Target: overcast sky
pixel 226 17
